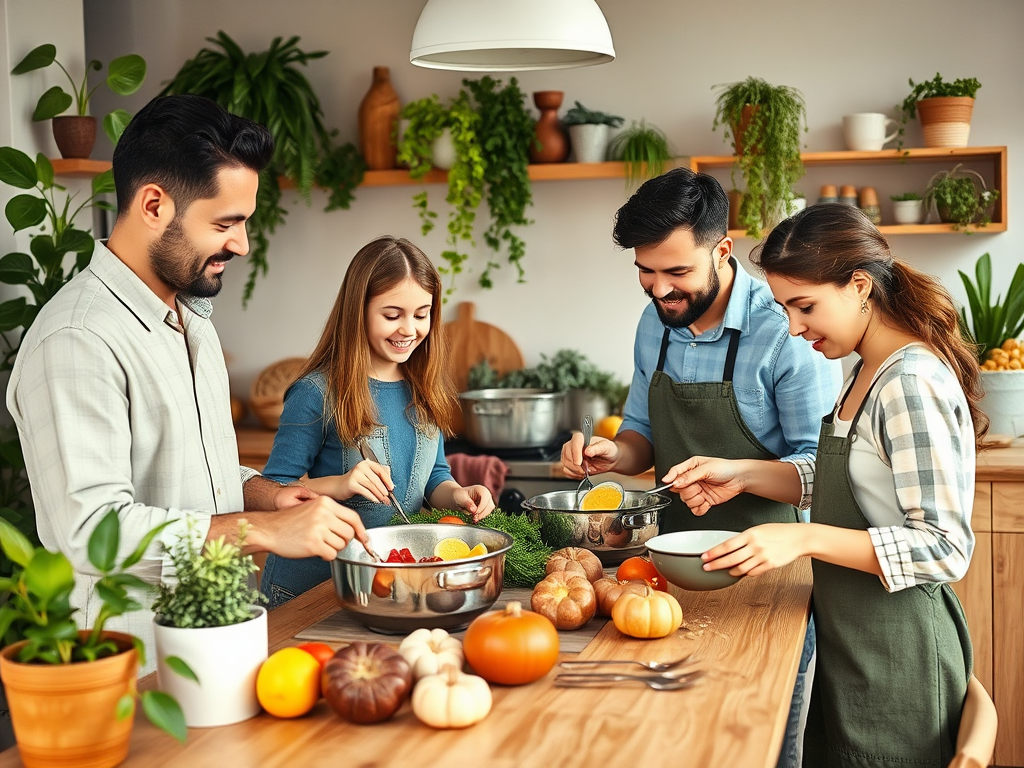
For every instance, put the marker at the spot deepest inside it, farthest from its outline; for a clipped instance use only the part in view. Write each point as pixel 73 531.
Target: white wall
pixel 582 292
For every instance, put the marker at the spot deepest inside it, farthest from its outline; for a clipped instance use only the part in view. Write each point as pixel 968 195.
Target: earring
pixel 863 306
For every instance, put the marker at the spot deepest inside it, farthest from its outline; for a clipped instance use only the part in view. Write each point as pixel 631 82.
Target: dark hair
pixel 180 143
pixel 678 199
pixel 826 243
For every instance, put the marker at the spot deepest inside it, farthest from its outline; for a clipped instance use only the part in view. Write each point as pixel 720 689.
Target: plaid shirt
pixel 919 424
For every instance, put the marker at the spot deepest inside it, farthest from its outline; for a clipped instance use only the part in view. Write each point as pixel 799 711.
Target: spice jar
pixel 848 194
pixel 828 194
pixel 869 204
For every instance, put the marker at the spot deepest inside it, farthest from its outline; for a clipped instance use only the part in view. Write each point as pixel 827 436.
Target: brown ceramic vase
pixel 554 143
pixel 75 135
pixel 378 116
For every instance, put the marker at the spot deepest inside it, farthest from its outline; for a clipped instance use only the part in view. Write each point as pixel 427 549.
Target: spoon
pixel 588 433
pixel 658 682
pixel 654 666
pixel 370 551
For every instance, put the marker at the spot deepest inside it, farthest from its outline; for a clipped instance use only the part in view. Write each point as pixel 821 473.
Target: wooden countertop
pixel 747 637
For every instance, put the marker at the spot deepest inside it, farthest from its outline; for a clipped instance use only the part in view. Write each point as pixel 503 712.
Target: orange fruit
pixel 319 651
pixel 608 427
pixel 641 569
pixel 451 520
pixel 479 549
pixel 288 683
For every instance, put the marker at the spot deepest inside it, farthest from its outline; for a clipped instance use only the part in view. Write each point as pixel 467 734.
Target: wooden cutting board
pixel 471 341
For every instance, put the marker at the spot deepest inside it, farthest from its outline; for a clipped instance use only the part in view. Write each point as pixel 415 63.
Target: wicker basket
pixel 266 398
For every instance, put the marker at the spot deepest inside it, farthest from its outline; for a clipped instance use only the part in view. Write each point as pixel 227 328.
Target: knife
pixel 367 453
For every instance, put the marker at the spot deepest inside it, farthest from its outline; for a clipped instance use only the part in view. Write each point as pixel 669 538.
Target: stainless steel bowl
pixel 613 536
pixel 512 418
pixel 396 598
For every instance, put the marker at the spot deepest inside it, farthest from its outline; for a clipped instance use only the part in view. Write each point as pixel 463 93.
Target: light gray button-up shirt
pixel 122 404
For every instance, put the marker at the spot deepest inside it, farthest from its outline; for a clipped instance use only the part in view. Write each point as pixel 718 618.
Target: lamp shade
pixel 510 35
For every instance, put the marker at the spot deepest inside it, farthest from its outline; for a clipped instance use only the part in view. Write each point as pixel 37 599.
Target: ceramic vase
pixel 75 135
pixel 378 114
pixel 589 142
pixel 908 211
pixel 554 144
pixel 226 661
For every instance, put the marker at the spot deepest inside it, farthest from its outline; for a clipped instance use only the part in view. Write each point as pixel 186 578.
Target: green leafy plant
pixel 270 88
pixel 645 151
pixel 37 610
pixel 929 89
pixel 125 76
pixel 212 583
pixel 960 197
pixel 580 115
pixel 768 117
pixel 906 196
pixel 41 272
pixel 993 321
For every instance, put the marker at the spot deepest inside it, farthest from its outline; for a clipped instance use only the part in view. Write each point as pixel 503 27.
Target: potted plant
pixel 945 110
pixel 72 692
pixel 764 123
pixel 588 132
pixel 210 617
pixel 270 89
pixel 76 134
pixel 645 151
pixel 908 208
pixel 960 197
pixel 996 326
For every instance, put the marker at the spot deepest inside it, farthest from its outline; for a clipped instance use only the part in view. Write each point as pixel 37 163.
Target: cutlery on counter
pixel 654 666
pixel 367 453
pixel 657 682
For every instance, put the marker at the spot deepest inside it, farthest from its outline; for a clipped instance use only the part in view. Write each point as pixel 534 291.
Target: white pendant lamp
pixel 510 35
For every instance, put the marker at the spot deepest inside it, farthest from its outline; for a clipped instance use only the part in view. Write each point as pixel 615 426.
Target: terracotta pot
pixel 378 114
pixel 554 144
pixel 64 714
pixel 946 120
pixel 75 135
pixel 739 131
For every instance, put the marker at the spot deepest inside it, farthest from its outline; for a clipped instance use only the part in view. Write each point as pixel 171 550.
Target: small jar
pixel 828 194
pixel 848 194
pixel 868 202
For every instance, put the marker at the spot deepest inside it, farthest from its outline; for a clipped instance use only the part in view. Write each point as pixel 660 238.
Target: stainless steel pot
pixel 512 418
pixel 612 536
pixel 396 598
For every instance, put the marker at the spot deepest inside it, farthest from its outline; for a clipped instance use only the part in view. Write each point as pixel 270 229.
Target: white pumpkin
pixel 428 651
pixel 451 699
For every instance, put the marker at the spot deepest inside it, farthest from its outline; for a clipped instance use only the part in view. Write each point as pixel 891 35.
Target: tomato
pixel 288 683
pixel 320 651
pixel 451 520
pixel 382 581
pixel 640 568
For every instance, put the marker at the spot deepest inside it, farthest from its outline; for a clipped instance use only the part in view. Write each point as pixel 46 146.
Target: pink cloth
pixel 488 471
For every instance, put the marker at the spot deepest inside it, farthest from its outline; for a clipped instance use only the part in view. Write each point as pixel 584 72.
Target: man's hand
pixel 600 456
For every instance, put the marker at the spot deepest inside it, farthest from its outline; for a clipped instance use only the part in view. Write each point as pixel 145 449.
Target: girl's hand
pixel 368 479
pixel 474 499
pixel 757 550
pixel 703 482
pixel 292 495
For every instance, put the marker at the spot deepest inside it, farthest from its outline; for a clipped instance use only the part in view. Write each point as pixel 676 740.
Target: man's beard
pixel 696 304
pixel 179 265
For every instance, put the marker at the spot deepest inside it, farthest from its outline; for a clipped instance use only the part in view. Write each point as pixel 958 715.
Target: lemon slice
pixel 602 497
pixel 451 549
pixel 479 549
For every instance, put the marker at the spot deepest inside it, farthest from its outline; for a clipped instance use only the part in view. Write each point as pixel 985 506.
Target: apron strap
pixel 664 350
pixel 730 356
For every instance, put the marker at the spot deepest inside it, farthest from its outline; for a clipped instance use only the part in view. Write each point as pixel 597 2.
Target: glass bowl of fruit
pixel 433 576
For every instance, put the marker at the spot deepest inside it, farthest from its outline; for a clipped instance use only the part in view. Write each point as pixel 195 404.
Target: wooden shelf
pixel 82 169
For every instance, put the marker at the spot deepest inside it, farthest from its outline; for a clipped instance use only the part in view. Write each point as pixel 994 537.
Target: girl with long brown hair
pixel 893 492
pixel 378 374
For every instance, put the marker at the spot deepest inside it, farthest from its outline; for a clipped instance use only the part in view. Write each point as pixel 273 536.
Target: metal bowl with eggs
pixel 396 598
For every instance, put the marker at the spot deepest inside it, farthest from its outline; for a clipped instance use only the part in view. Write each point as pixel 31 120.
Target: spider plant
pixel 645 151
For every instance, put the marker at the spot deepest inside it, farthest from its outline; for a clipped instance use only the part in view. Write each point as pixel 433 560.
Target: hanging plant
pixel 645 151
pixel 270 89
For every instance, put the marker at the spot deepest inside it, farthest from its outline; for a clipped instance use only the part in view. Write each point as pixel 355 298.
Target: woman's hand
pixel 475 500
pixel 703 482
pixel 293 495
pixel 758 550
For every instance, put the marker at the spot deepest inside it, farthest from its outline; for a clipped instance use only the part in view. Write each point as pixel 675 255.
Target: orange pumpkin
pixel 567 599
pixel 608 590
pixel 641 568
pixel 652 614
pixel 511 646
pixel 575 560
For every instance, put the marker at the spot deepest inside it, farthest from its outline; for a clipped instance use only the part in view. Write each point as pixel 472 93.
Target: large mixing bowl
pixel 613 536
pixel 512 418
pixel 396 598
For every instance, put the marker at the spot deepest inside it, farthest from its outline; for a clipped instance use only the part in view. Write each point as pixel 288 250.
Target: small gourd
pixel 451 699
pixel 652 614
pixel 575 560
pixel 566 598
pixel 609 590
pixel 430 650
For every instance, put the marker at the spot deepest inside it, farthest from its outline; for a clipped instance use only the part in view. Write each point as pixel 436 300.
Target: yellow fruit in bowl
pixel 479 549
pixel 608 426
pixel 1007 357
pixel 451 549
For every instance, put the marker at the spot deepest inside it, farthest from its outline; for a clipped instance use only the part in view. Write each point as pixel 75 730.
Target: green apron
pixel 703 419
pixel 892 667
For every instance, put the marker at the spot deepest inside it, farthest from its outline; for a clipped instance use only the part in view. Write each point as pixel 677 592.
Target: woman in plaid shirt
pixel 893 490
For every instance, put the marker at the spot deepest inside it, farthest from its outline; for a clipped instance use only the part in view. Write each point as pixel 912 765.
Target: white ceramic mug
pixel 865 131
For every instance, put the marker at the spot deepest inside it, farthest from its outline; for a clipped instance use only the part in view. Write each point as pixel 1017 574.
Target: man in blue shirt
pixel 716 374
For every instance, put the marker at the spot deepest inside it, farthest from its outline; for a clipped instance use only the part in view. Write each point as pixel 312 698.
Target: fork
pixel 367 453
pixel 588 433
pixel 657 682
pixel 654 666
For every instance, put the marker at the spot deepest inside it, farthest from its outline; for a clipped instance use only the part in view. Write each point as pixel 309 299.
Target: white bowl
pixel 677 558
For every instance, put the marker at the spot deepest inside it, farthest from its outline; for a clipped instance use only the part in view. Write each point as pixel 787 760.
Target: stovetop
pixel 544 453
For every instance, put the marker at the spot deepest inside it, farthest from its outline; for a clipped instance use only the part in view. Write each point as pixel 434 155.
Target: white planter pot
pixel 589 142
pixel 908 211
pixel 225 659
pixel 442 151
pixel 1003 402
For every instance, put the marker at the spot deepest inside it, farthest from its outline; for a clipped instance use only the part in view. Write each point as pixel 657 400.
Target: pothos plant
pixel 492 133
pixel 270 88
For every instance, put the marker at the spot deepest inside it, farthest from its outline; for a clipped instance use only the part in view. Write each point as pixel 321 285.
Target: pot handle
pixel 637 520
pixel 493 409
pixel 464 578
